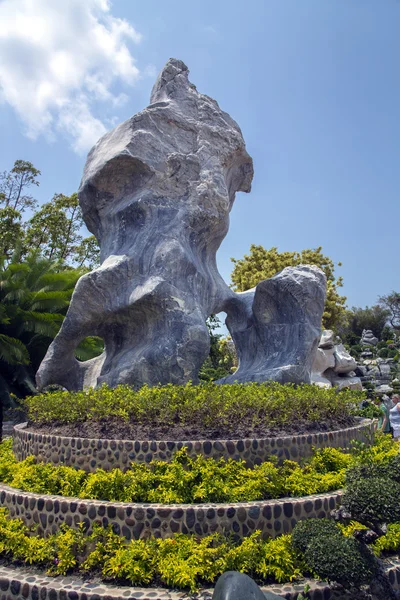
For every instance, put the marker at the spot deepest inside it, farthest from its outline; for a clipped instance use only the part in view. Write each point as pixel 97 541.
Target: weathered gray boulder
pixel 368 338
pixel 233 585
pixel 327 339
pixel 344 362
pixel 276 326
pixel 157 192
pixel 324 359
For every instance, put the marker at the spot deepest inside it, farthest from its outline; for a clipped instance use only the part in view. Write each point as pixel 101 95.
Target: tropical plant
pixel 34 297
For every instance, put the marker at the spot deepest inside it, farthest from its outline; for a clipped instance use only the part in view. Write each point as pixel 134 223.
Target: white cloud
pixel 58 59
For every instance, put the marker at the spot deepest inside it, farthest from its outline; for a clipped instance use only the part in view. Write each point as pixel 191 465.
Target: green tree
pixel 14 184
pixel 262 264
pixel 34 297
pixel 358 319
pixel 55 229
pixel 14 200
pixel 219 361
pixel 391 303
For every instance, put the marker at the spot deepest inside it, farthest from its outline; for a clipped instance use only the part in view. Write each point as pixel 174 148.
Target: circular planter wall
pixel 90 454
pixel 20 583
pixel 139 520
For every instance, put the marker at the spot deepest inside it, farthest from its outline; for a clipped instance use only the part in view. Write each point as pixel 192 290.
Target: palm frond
pixel 13 351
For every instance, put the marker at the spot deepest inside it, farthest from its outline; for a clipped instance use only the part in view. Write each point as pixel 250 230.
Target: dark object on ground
pixel 237 586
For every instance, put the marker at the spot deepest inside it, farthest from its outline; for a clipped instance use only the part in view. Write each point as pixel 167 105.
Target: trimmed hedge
pixel 208 405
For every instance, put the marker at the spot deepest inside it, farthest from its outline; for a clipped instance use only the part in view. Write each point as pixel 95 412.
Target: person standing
pixel 394 415
pixel 384 419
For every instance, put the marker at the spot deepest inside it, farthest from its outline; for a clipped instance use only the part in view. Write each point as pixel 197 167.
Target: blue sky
pixel 314 85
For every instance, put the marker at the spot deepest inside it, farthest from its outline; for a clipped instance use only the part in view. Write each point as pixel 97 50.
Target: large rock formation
pixel 157 192
pixel 276 326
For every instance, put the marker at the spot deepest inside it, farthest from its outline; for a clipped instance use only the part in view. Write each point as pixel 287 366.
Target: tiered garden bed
pixel 102 471
pixel 91 454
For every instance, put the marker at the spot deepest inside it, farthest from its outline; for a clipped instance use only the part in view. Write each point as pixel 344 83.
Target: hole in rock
pixel 90 347
pixel 221 360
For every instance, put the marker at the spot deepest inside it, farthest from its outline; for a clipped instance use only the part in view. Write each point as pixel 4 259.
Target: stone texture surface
pixel 91 454
pixel 276 327
pixel 333 365
pixel 368 338
pixel 344 363
pixel 140 520
pixel 327 339
pixel 157 192
pixel 18 583
pixel 324 359
pixel 353 383
pixel 233 585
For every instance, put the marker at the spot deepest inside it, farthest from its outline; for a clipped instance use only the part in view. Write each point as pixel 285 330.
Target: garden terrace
pixel 191 412
pixel 90 454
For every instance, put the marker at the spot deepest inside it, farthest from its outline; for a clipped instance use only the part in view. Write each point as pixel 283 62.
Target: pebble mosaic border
pixel 139 520
pixel 21 583
pixel 90 454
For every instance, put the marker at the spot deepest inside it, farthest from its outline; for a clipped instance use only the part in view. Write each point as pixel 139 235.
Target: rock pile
pixel 333 365
pixel 368 338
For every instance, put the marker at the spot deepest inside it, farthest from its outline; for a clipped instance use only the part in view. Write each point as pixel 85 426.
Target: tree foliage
pixel 358 319
pixel 33 299
pixel 55 229
pixel 220 360
pixel 391 303
pixel 262 264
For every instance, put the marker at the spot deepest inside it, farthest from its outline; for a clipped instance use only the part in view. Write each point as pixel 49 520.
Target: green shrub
pixel 208 405
pixel 373 500
pixel 383 352
pixel 200 480
pixel 183 480
pixel 182 561
pixel 389 469
pixel 390 542
pixel 308 529
pixel 341 559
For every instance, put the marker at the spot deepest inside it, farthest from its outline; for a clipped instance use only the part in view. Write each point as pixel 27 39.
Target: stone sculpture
pixel 157 192
pixel 333 365
pixel 276 326
pixel 368 338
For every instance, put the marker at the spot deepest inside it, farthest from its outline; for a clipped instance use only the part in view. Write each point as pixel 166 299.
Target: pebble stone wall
pixel 134 521
pixel 90 454
pixel 21 583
